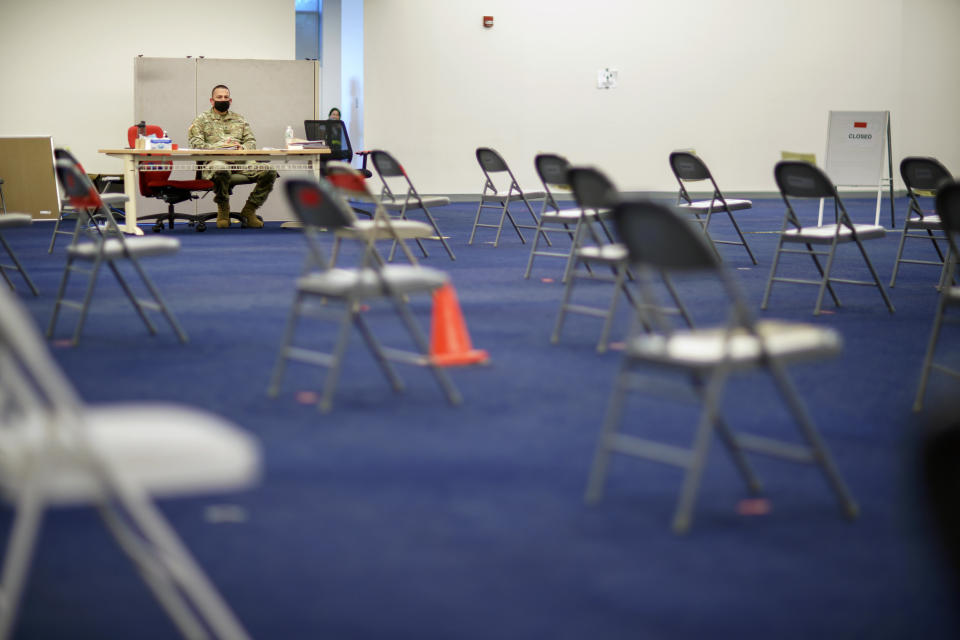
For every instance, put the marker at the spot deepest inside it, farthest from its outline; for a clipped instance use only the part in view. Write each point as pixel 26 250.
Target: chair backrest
pixel 552 169
pixel 317 204
pixel 688 166
pixel 592 189
pixel 924 174
pixel 132 133
pixel 656 237
pixel 491 161
pixel 76 184
pixel 348 182
pixel 386 165
pixel 334 134
pixel 948 208
pixel 157 172
pixel 798 179
pixel 391 171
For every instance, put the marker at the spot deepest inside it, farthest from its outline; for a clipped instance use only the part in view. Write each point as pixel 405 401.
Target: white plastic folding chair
pixel 922 177
pixel 702 360
pixel 339 295
pixel 500 188
pixel 352 185
pixel 399 194
pixel 688 167
pixel 102 243
pixel 948 209
pixel 801 180
pixel 57 451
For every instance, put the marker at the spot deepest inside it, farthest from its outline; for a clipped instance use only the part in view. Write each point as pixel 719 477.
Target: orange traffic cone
pixel 449 340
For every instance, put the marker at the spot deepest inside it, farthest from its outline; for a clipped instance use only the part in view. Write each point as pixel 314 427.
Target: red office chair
pixel 156 183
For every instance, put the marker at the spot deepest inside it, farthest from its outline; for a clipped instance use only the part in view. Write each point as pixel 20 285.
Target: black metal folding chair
pixel 688 167
pixel 340 294
pixel 801 180
pixel 922 177
pixel 102 243
pixel 399 194
pixel 500 188
pixel 702 360
pixel 948 208
pixel 352 185
pixel 552 170
pixel 596 195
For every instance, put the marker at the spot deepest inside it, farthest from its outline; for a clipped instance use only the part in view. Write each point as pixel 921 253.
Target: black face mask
pixel 221 105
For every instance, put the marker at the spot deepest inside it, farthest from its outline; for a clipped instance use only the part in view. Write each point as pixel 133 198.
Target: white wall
pixel 67 67
pixel 351 75
pixel 739 80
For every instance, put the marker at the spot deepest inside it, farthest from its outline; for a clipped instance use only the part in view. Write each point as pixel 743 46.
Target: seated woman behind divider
pixel 334 114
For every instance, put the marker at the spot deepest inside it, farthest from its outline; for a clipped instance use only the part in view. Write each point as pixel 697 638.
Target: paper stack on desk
pixel 299 143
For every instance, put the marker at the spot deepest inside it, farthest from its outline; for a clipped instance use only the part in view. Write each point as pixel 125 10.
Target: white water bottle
pixel 288 135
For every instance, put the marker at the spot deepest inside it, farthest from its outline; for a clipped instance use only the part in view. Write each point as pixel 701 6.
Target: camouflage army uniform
pixel 212 130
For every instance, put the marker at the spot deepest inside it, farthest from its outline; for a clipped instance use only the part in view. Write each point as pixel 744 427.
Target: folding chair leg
pixel 53 238
pixel 533 249
pixel 453 395
pixel 743 238
pixel 928 356
pixel 281 365
pixel 333 373
pixel 85 305
pixel 158 299
pixel 19 267
pixel 476 222
pixel 896 261
pixel 19 552
pixel 820 270
pixel 377 352
pixel 825 278
pixel 773 273
pixel 683 516
pixel 739 459
pixel 876 277
pixel 821 453
pixel 503 214
pixel 177 560
pixel 561 316
pixel 436 230
pixel 574 245
pixel 57 303
pixel 130 295
pixel 335 252
pixel 516 227
pixel 611 424
pixel 668 283
pixel 618 287
pixel 154 575
pixel 536 221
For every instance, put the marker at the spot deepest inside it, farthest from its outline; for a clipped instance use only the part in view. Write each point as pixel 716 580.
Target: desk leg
pixel 130 184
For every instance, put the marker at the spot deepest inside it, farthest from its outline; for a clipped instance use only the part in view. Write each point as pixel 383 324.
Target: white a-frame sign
pixel 856 144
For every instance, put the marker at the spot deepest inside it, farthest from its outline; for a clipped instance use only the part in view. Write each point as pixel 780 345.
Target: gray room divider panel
pixel 270 94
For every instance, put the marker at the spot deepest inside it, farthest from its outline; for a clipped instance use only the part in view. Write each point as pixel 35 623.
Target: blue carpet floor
pixel 399 516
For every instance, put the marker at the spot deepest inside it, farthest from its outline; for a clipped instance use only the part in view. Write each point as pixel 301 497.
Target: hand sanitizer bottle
pixel 288 136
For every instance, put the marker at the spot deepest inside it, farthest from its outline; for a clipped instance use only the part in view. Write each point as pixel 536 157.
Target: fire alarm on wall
pixel 487 21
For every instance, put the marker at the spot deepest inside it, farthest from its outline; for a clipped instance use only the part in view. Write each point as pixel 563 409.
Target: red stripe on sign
pixel 859 125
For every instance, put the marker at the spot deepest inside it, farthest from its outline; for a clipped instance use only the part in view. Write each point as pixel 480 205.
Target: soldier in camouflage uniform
pixel 220 128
